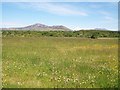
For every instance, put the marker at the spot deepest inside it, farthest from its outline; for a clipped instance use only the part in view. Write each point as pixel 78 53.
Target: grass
pixel 48 62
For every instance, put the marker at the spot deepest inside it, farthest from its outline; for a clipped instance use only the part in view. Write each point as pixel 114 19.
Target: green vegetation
pixel 30 61
pixel 82 33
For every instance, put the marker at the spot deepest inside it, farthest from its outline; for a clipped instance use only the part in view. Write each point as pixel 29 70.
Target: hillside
pixel 40 27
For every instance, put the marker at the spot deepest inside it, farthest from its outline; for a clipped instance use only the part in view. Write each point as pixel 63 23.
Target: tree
pixel 94 36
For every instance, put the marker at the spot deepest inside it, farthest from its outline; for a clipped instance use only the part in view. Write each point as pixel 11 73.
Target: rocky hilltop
pixel 40 27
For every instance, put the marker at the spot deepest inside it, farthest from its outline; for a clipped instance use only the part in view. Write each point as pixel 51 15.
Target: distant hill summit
pixel 100 29
pixel 41 27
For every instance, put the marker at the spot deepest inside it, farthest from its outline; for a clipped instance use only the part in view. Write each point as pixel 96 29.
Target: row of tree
pixel 82 33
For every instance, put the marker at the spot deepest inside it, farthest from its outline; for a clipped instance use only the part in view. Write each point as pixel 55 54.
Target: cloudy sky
pixel 74 15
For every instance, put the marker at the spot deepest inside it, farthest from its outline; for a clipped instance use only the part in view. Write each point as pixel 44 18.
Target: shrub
pixel 93 37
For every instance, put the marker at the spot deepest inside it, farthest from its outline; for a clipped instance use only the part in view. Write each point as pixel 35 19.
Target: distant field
pixel 48 62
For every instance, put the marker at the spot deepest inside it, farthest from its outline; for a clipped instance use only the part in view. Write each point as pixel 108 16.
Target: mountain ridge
pixel 40 27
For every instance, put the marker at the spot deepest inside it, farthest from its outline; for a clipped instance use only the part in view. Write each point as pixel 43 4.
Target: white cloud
pixel 12 24
pixel 95 6
pixel 55 8
pixel 110 19
pixel 104 12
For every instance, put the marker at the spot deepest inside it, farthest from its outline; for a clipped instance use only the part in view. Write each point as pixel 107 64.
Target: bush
pixel 93 37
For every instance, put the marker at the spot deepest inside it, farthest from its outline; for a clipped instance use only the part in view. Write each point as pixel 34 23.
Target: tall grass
pixel 42 62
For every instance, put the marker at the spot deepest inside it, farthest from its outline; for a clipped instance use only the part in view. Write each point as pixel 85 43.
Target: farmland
pixel 60 62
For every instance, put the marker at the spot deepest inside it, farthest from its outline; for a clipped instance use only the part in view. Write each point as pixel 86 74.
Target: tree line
pixel 82 33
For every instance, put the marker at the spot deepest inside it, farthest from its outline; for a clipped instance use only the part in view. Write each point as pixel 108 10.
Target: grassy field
pixel 48 62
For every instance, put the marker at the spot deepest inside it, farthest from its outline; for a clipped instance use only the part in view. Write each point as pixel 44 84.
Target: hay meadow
pixel 59 62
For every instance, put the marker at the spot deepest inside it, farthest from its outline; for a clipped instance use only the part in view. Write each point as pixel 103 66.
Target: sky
pixel 74 15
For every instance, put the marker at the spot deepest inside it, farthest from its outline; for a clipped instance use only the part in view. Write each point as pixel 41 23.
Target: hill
pixel 40 27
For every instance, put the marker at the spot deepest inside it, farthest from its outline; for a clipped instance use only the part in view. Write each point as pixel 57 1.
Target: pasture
pixel 59 62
